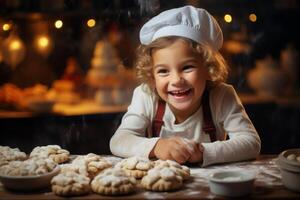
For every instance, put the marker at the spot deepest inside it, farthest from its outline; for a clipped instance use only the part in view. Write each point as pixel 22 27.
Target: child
pixel 183 104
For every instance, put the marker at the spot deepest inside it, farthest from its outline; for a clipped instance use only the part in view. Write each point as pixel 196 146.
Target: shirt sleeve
pixel 243 143
pixel 130 138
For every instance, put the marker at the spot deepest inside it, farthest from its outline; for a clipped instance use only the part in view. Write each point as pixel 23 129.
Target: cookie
pixel 54 152
pixel 162 179
pixel 113 182
pixel 9 154
pixel 70 184
pixel 136 166
pixel 181 170
pixel 93 163
pixel 34 166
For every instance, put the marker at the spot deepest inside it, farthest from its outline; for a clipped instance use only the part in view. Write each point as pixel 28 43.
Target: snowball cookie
pixel 93 163
pixel 112 182
pixel 180 170
pixel 162 179
pixel 8 154
pixel 136 167
pixel 30 167
pixel 55 152
pixel 70 184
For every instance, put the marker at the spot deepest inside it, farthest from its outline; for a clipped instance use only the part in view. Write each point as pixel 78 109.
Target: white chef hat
pixel 189 22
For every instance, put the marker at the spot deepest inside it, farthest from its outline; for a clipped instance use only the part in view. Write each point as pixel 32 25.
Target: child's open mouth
pixel 180 93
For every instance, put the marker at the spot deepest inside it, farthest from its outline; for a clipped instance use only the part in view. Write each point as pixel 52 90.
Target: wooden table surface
pixel 268 185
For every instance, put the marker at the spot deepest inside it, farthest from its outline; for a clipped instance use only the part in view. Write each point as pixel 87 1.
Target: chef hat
pixel 189 22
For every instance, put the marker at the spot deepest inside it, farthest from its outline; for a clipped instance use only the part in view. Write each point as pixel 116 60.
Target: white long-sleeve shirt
pixel 228 114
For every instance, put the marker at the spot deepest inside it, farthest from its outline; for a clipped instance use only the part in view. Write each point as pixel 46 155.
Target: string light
pixel 15 45
pixel 91 23
pixel 6 27
pixel 228 18
pixel 58 24
pixel 43 42
pixel 252 17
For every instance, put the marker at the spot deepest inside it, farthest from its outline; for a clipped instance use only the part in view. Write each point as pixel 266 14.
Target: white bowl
pixel 290 169
pixel 27 183
pixel 232 183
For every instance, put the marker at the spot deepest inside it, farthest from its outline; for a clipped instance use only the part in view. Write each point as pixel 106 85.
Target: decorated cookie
pixel 34 166
pixel 180 170
pixel 93 163
pixel 136 166
pixel 162 179
pixel 8 154
pixel 70 184
pixel 77 168
pixel 54 152
pixel 113 182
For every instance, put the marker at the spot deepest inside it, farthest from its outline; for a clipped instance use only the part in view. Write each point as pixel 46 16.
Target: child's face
pixel 179 77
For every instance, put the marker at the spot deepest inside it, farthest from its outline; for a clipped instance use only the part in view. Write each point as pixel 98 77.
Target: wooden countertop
pixel 268 185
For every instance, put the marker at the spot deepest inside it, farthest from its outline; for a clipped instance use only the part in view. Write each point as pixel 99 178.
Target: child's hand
pixel 173 148
pixel 196 151
pixel 178 149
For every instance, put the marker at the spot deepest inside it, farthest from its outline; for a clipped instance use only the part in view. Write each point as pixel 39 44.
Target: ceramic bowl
pixel 290 169
pixel 232 183
pixel 28 183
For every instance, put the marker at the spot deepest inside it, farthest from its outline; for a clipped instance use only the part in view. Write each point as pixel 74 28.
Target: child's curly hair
pixel 214 61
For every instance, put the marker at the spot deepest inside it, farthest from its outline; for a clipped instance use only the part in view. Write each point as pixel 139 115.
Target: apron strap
pixel 208 127
pixel 158 120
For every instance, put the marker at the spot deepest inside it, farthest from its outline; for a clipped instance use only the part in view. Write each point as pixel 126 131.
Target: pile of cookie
pixel 94 173
pixel 97 174
pixel 41 160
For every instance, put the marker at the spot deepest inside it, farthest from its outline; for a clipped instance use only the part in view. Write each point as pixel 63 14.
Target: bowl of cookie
pixel 232 183
pixel 28 175
pixel 288 162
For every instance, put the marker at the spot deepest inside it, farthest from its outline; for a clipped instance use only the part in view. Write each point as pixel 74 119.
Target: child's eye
pixel 188 68
pixel 162 72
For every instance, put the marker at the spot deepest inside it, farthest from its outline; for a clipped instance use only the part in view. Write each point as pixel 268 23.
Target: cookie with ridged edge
pixel 162 180
pixel 113 182
pixel 70 184
pixel 136 167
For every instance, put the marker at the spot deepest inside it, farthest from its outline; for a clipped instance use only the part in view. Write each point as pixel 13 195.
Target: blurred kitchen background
pixel 66 67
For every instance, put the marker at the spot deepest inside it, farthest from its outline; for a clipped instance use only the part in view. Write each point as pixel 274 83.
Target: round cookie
pixel 70 184
pixel 162 179
pixel 8 154
pixel 113 182
pixel 36 166
pixel 180 170
pixel 136 166
pixel 93 163
pixel 55 152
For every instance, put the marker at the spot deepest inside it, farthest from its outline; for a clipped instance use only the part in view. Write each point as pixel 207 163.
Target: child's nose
pixel 177 78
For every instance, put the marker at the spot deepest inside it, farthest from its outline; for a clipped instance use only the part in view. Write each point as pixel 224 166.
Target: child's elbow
pixel 113 144
pixel 256 145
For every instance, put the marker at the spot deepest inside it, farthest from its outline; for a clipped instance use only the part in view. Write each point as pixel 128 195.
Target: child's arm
pixel 244 142
pixel 130 138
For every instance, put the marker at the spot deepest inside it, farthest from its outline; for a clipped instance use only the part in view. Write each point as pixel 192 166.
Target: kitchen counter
pixel 268 185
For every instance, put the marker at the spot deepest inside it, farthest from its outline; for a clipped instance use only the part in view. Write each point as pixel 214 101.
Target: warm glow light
pixel 15 45
pixel 58 24
pixel 91 23
pixel 252 17
pixel 6 27
pixel 43 42
pixel 227 18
